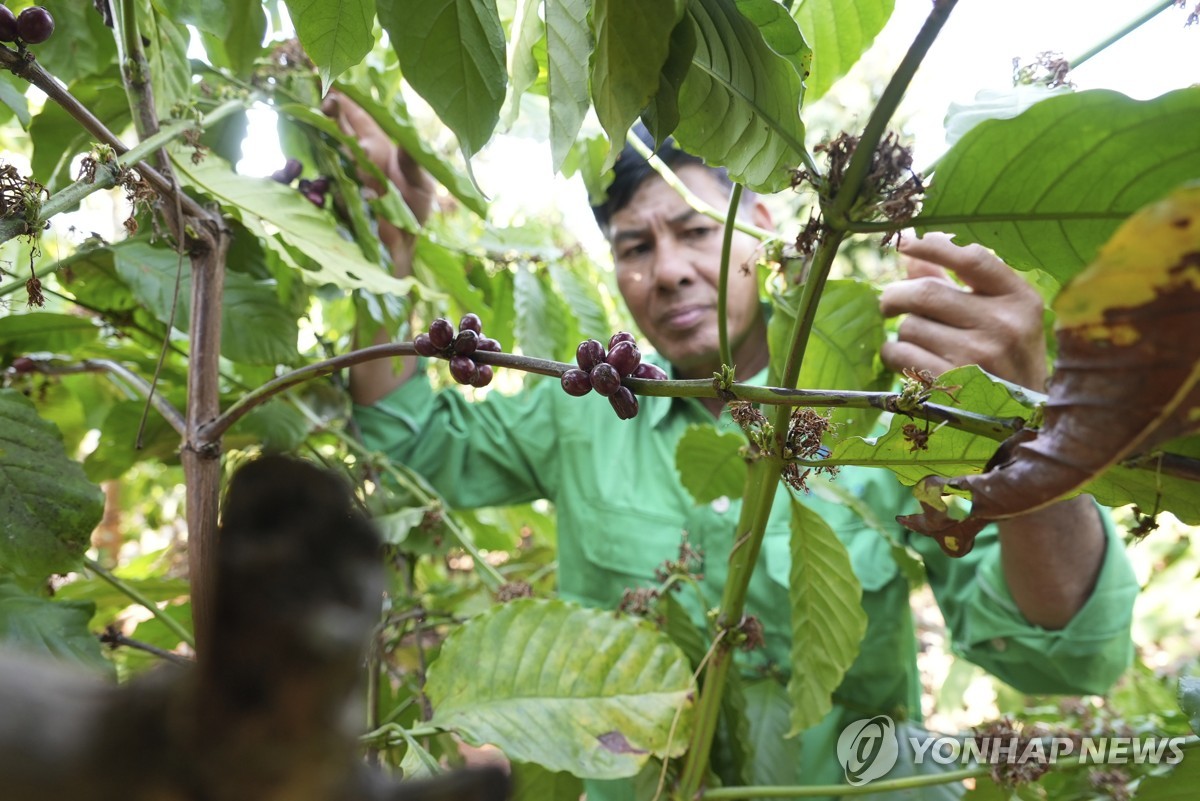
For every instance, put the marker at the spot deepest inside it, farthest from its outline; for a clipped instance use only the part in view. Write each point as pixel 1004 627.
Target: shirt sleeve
pixel 498 451
pixel 1086 656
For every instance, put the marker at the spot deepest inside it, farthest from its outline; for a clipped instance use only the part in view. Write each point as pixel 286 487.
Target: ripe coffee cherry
pixel 620 336
pixel 34 25
pixel 624 403
pixel 648 370
pixel 23 364
pixel 466 342
pixel 441 333
pixel 605 379
pixel 319 185
pixel 8 25
pixel 289 172
pixel 463 369
pixel 488 344
pixel 483 376
pixel 576 382
pixel 315 198
pixel 470 322
pixel 424 345
pixel 589 353
pixel 624 356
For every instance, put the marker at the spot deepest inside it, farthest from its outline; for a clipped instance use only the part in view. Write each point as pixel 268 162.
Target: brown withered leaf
pixel 1127 376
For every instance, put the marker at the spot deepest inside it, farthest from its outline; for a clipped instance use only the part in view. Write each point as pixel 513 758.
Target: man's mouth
pixel 682 317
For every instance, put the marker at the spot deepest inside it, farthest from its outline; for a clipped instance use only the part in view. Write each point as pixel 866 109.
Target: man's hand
pixel 996 322
pixel 414 183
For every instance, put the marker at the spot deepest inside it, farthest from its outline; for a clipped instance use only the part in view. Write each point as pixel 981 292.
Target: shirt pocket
pixel 623 547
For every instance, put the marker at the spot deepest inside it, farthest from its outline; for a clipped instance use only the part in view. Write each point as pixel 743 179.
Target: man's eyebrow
pixel 639 233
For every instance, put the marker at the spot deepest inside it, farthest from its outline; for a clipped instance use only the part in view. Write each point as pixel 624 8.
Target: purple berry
pixel 305 186
pixel 576 382
pixel 648 370
pixel 605 379
pixel 483 376
pixel 620 336
pixel 470 322
pixel 292 169
pixel 23 364
pixel 624 403
pixel 320 185
pixel 488 344
pixel 589 353
pixel 624 356
pixel 424 345
pixel 316 198
pixel 8 25
pixel 466 342
pixel 441 332
pixel 463 369
pixel 34 25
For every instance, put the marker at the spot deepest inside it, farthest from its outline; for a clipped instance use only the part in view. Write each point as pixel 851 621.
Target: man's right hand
pixel 371 381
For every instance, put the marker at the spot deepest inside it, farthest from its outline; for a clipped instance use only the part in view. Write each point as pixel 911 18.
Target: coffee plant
pixel 138 370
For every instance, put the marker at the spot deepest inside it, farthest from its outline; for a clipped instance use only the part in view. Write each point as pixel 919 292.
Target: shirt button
pixel 721 505
pixel 1000 644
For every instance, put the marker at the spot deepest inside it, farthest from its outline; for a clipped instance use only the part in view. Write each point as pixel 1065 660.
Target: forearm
pixel 1051 559
pixel 372 381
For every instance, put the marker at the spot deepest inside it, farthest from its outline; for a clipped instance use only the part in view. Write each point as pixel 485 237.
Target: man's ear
pixel 760 215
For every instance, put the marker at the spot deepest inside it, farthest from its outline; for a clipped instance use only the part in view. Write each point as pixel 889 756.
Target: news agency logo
pixel 868 749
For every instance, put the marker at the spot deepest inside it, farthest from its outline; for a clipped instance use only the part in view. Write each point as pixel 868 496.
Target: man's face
pixel 668 259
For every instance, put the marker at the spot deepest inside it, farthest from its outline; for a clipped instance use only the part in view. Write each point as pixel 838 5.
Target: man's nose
pixel 672 265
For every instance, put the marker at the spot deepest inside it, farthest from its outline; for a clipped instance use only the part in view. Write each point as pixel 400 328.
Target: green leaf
pixel 535 783
pixel 541 323
pixel 275 425
pixel 1047 188
pixel 310 240
pixel 170 70
pixel 57 138
pixel 843 347
pixel 711 464
pixel 1178 785
pixel 47 508
pixel 582 298
pixel 242 46
pixel 80 47
pixel 951 451
pixel 568 45
pixel 662 114
pixel 55 629
pixel 12 95
pixel 45 331
pixel 839 32
pixel 828 621
pixel 632 42
pixel 117 450
pixel 1189 700
pixel 740 104
pixel 150 272
pixel 599 712
pixel 208 16
pixel 336 34
pixel 776 757
pixel 522 61
pixel 452 53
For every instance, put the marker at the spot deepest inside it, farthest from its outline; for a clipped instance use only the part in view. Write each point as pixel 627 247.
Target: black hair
pixel 632 169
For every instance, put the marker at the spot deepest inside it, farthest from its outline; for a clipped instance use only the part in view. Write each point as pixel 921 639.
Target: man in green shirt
pixel 1043 602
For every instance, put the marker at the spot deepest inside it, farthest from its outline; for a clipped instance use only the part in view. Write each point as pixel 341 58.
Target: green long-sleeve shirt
pixel 621 512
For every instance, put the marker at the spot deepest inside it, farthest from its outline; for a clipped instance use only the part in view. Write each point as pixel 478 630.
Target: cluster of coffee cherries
pixel 315 190
pixel 458 348
pixel 602 370
pixel 32 26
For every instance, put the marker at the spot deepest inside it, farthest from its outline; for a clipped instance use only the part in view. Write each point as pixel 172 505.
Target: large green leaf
pixel 839 32
pixel 662 114
pixel 452 52
pixel 776 757
pixel 243 44
pixel 117 450
pixel 336 34
pixel 81 45
pixel 208 16
pixel 535 783
pixel 1178 785
pixel 541 323
pixel 711 464
pixel 828 621
pixel 843 347
pixel 47 508
pixel 167 60
pixel 44 331
pixel 12 95
pixel 568 44
pixel 1047 188
pixel 307 233
pixel 1189 700
pixel 599 712
pixel 269 339
pixel 522 59
pixel 55 629
pixel 740 104
pixel 632 42
pixel 57 138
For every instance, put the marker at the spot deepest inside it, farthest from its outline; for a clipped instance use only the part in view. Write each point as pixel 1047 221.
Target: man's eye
pixel 699 232
pixel 633 251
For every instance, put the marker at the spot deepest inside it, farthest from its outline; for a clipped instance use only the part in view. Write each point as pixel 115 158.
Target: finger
pixel 933 298
pixel 897 356
pixel 977 266
pixel 933 336
pixel 919 268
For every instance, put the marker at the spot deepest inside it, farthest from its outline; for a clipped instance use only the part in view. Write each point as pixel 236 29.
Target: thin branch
pixel 171 623
pixel 108 175
pixel 735 199
pixel 111 636
pixel 139 384
pixel 1120 34
pixel 837 214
